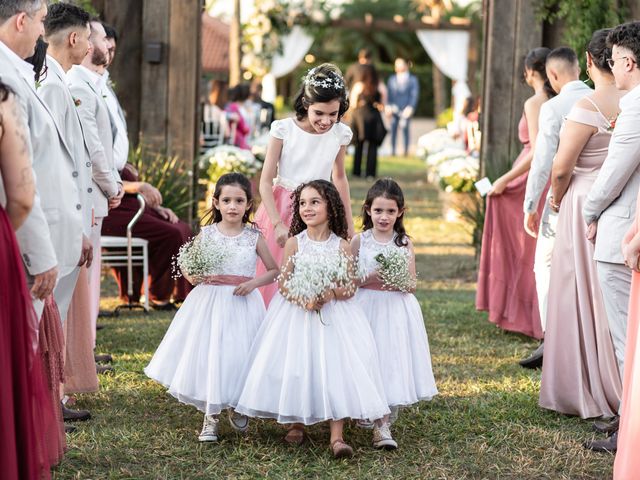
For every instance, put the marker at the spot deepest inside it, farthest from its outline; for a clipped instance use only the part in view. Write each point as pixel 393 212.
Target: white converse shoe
pixel 366 424
pixel 209 431
pixel 239 422
pixel 395 411
pixel 382 437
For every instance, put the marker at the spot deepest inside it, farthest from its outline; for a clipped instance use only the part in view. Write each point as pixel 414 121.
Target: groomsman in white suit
pixel 51 238
pixel 118 119
pixel 563 72
pixel 67 32
pixel 611 204
pixel 85 81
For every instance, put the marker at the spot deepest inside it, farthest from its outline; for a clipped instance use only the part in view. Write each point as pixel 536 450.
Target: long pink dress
pixel 627 464
pixel 580 372
pixel 506 284
pixel 304 157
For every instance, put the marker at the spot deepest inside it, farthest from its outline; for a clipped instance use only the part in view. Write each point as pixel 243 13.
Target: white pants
pixel 615 283
pixel 63 292
pixel 95 273
pixel 542 262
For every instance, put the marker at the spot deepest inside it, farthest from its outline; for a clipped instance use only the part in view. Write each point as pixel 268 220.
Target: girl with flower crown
pixel 314 358
pixel 308 147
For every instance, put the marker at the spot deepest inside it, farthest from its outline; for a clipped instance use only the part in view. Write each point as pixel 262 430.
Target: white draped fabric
pixel 449 50
pixel 295 45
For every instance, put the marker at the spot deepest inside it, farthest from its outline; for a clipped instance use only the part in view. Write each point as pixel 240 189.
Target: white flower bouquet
pixel 313 275
pixel 199 258
pixel 228 158
pixel 394 269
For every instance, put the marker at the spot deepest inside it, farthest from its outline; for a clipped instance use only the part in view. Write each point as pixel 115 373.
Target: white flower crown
pixel 329 80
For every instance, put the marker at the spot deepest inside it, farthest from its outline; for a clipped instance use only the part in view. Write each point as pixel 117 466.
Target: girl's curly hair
pixel 335 208
pixel 237 180
pixel 386 188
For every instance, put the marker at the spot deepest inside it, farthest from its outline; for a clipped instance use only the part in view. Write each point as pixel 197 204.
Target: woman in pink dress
pixel 310 146
pixel 580 371
pixel 237 95
pixel 506 285
pixel 25 409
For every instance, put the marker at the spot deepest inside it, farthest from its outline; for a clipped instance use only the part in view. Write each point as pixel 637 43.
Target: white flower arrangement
pixel 199 258
pixel 394 269
pixel 436 141
pixel 228 158
pixel 271 19
pixel 454 169
pixel 313 275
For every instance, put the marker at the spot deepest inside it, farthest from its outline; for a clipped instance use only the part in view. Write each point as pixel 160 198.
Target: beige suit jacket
pixel 96 125
pixel 612 198
pixel 57 221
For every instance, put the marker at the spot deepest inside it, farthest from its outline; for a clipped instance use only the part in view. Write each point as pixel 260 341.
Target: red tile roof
pixel 215 45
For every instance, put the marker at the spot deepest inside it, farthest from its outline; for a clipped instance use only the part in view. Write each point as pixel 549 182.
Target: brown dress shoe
pixel 75 415
pixel 104 369
pixel 609 445
pixel 103 358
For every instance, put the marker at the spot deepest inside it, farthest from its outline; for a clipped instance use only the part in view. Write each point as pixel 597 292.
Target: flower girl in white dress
pixel 203 354
pixel 387 268
pixel 314 358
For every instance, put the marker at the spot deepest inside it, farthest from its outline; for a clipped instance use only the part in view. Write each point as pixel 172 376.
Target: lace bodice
pixel 369 248
pixel 306 156
pixel 306 246
pixel 242 257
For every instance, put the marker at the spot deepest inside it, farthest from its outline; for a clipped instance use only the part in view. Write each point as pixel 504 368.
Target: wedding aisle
pixel 485 423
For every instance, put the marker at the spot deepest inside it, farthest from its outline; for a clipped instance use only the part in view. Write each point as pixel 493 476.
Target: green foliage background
pixel 583 17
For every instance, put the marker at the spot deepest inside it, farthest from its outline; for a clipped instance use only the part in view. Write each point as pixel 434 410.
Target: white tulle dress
pixel 202 357
pixel 398 328
pixel 303 370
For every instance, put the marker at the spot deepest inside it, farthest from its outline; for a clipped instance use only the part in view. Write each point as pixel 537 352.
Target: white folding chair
pixel 129 252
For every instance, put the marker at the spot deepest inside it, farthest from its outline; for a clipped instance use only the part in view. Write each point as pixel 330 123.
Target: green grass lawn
pixel 484 424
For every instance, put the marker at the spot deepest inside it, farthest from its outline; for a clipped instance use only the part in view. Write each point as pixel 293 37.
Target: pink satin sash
pixel 376 285
pixel 233 280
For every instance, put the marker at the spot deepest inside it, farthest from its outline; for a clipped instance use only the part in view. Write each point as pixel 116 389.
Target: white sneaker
pixel 367 424
pixel 209 431
pixel 395 411
pixel 382 437
pixel 239 422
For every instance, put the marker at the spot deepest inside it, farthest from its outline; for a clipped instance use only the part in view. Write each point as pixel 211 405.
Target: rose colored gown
pixel 506 284
pixel 627 464
pixel 25 408
pixel 580 372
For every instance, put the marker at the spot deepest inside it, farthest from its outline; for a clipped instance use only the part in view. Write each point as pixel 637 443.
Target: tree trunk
pixel 235 36
pixel 439 91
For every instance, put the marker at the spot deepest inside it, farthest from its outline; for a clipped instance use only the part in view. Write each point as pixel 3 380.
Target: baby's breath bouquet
pixel 313 275
pixel 198 258
pixel 394 269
